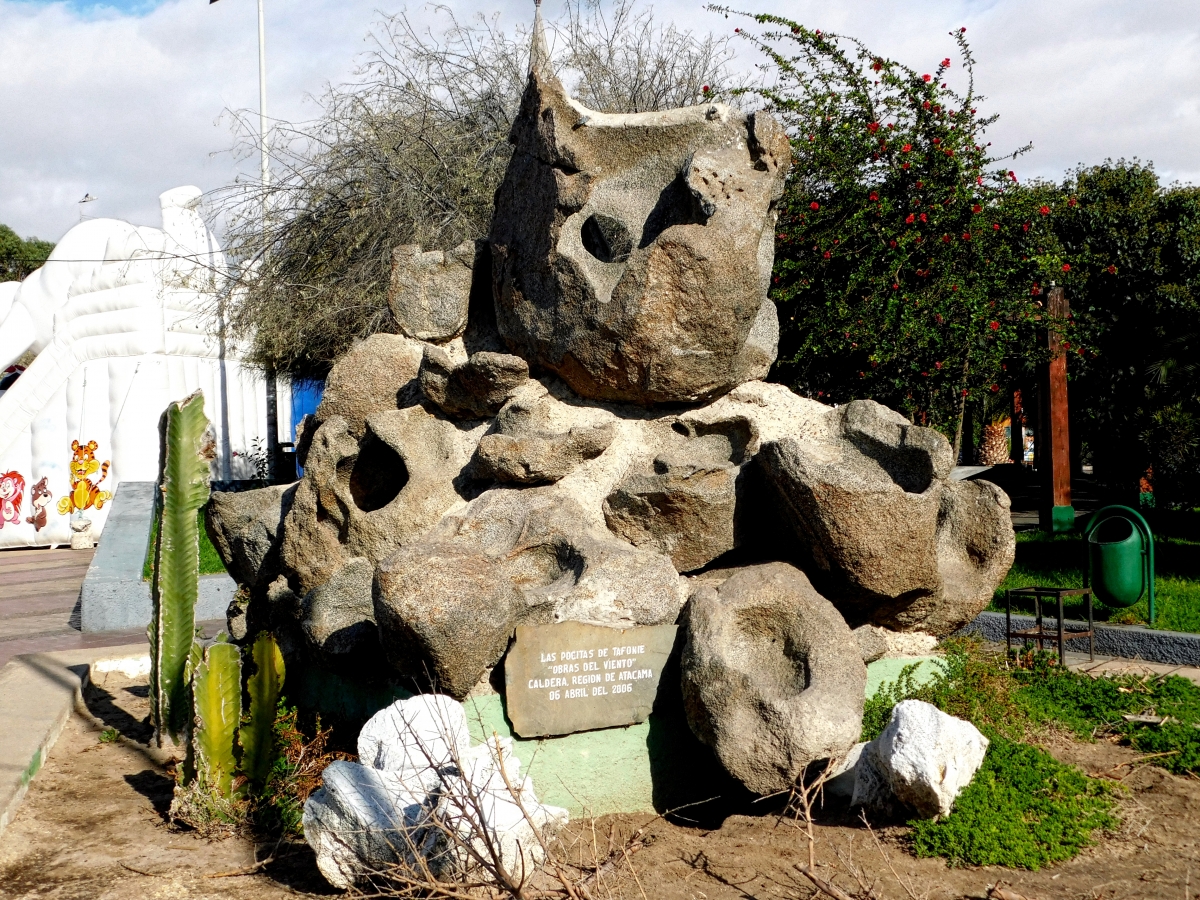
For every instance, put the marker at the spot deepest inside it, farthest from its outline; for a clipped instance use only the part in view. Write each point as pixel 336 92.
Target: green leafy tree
pixel 909 263
pixel 18 258
pixel 1134 287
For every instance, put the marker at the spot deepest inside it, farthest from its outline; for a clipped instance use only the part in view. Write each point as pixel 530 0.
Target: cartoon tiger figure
pixel 85 494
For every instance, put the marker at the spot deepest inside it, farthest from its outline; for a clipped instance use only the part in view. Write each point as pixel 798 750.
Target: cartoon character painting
pixel 39 499
pixel 12 488
pixel 85 493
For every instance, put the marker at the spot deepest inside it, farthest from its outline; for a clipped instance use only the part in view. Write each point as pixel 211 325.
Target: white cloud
pixel 125 106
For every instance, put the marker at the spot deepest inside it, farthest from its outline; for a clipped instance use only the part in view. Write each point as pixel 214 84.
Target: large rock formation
pixel 453 491
pixel 632 253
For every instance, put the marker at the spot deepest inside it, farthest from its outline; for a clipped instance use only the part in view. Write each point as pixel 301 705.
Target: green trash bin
pixel 1120 566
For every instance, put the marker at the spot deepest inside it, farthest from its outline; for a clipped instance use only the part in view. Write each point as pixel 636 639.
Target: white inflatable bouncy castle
pixel 122 319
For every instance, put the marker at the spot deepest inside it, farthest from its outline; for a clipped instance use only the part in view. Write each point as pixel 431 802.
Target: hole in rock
pixel 676 205
pixel 377 476
pixel 606 238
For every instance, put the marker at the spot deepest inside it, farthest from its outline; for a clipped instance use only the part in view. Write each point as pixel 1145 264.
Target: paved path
pixel 38 593
pixel 1115 665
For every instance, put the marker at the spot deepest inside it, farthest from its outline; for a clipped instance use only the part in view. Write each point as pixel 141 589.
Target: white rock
pixel 415 737
pixel 363 819
pixel 923 759
pixel 425 792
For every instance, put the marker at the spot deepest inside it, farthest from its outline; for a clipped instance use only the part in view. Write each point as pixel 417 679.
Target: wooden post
pixel 1055 511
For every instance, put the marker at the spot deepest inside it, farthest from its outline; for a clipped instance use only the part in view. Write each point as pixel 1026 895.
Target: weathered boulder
pixel 430 291
pixel 687 504
pixel 474 389
pixel 376 375
pixel 975 547
pixel 893 540
pixel 245 527
pixel 772 676
pixel 536 439
pixel 447 604
pixel 338 617
pixel 367 496
pixel 631 254
pixel 922 761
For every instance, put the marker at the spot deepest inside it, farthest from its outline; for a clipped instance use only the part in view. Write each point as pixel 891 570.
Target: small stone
pixel 922 761
pixel 872 642
pixel 430 291
pixel 772 676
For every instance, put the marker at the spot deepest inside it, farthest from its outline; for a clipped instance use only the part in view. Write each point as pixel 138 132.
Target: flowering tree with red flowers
pixel 909 265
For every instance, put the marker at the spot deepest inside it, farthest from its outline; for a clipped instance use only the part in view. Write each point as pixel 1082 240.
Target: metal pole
pixel 265 172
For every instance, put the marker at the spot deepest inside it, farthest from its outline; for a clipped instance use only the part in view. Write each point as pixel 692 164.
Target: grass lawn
pixel 210 559
pixel 1058 560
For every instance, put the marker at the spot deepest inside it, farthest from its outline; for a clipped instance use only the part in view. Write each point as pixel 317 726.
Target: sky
pixel 125 99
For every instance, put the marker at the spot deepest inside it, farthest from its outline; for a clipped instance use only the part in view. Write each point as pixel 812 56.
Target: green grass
pixel 1024 809
pixel 1058 561
pixel 210 559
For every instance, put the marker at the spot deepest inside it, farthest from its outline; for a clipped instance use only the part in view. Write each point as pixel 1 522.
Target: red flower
pixel 1066 267
pixel 877 65
pixel 1025 227
pixel 937 365
pixel 946 63
pixel 926 374
pixel 937 140
pixel 1072 202
pixel 995 388
pixel 873 196
pixel 920 184
pixel 1067 345
pixel 827 254
pixel 939 318
pixel 964 392
pixel 995 326
pixel 1112 270
pixel 976 208
pixel 873 127
pixel 945 238
pixel 927 78
pixel 705 89
pixel 907 148
pixel 996 227
pixel 926 105
pixel 911 218
pixel 892 244
pixel 924 218
pixel 954 287
pixel 1012 175
pixel 904 165
pixel 963 30
pixel 966 235
pixel 895 287
pixel 737 31
pixel 1045 210
pixel 814 205
pixel 949 152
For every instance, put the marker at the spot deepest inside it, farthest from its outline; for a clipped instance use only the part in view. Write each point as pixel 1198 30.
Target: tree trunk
pixel 962 409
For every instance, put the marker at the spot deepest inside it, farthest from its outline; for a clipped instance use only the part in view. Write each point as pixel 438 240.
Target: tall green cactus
pixel 264 686
pixel 217 699
pixel 186 446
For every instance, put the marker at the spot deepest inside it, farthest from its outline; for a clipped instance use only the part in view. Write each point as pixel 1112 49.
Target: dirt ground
pixel 92 826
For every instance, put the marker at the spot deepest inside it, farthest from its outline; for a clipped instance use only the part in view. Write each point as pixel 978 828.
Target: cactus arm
pixel 257 735
pixel 217 695
pixel 186 448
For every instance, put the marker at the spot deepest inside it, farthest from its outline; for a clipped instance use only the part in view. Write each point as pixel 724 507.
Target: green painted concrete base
pixel 1062 519
pixel 655 766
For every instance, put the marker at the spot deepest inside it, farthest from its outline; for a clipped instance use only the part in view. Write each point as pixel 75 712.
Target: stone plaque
pixel 570 677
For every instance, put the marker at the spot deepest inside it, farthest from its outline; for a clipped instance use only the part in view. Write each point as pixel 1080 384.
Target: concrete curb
pixel 37 694
pixel 1128 641
pixel 114 597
